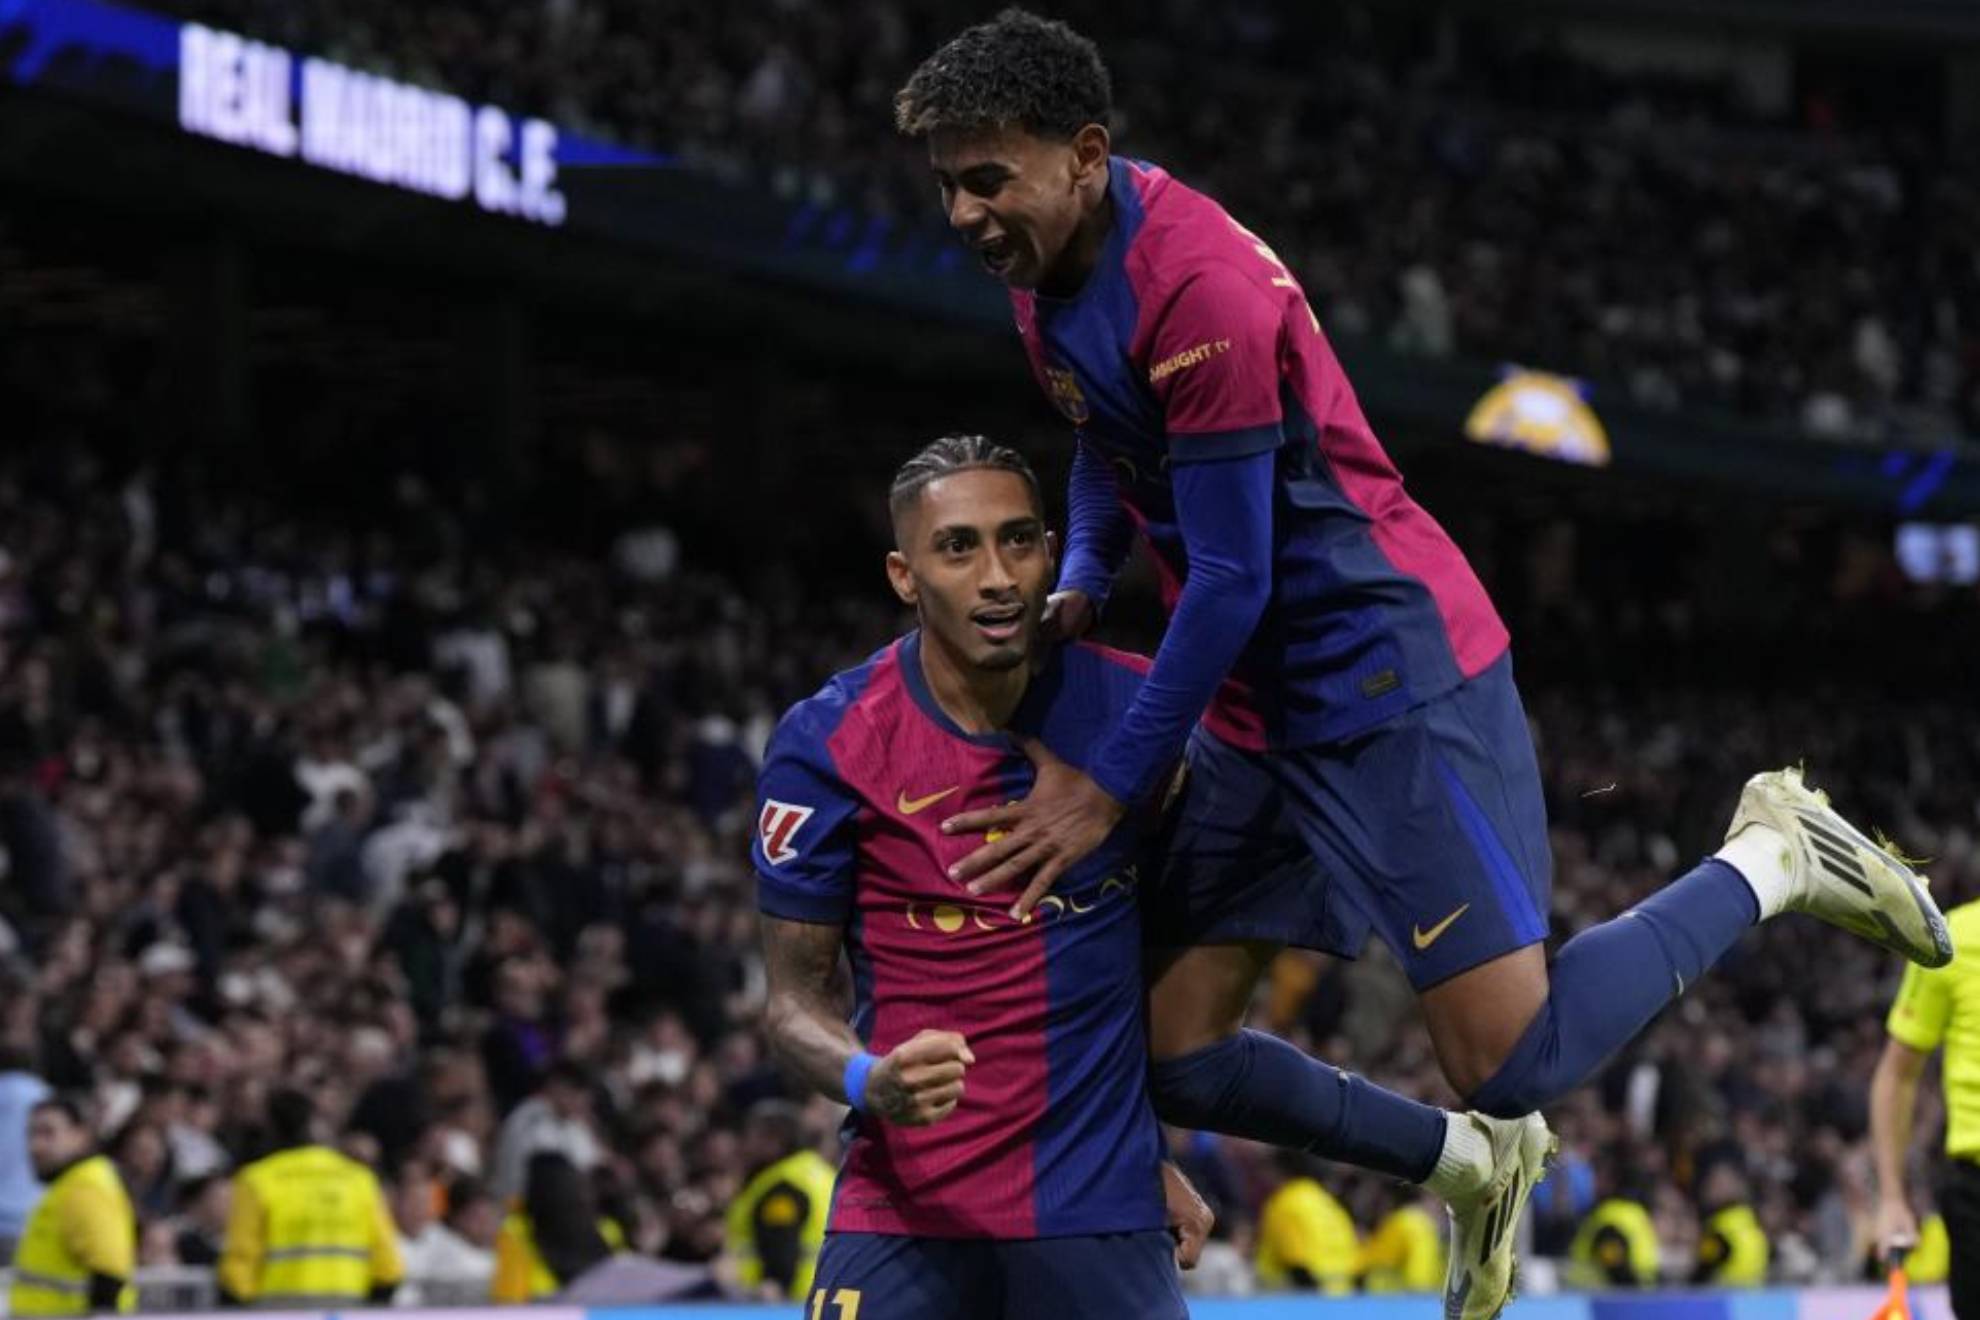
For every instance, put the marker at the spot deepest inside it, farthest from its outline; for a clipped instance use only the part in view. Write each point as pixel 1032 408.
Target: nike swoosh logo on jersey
pixel 1425 938
pixel 908 806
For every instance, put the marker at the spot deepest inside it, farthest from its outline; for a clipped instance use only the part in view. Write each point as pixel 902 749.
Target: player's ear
pixel 901 578
pixel 1091 146
pixel 1051 547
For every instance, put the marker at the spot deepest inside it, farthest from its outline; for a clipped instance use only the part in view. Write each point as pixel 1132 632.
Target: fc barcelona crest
pixel 1063 386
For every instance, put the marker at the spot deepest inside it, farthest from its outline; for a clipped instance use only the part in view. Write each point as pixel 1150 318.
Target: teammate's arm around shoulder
pixel 919 1081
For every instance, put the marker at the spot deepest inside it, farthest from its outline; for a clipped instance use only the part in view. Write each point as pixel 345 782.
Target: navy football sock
pixel 1611 979
pixel 1256 1086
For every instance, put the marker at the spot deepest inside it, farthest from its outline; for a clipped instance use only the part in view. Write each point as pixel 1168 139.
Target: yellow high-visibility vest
pixel 1617 1244
pixel 1304 1230
pixel 521 1274
pixel 794 1193
pixel 1931 1260
pixel 1405 1253
pixel 82 1225
pixel 309 1228
pixel 1733 1250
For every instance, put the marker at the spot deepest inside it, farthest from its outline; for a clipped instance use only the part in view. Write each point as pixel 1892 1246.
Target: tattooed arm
pixel 919 1082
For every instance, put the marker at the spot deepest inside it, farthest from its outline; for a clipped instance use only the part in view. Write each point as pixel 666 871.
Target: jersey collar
pixel 1037 695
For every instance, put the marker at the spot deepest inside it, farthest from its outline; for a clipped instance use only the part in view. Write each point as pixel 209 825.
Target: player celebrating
pixel 1363 761
pixel 1037 1186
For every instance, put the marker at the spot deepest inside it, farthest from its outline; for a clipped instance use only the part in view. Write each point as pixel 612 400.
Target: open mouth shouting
pixel 998 255
pixel 999 623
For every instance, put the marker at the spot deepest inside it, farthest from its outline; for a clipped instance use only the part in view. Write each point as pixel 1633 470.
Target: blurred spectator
pixel 434 1252
pixel 474 1216
pixel 144 1161
pixel 519 1045
pixel 20 1092
pixel 558 1118
pixel 555 1236
pixel 1617 1245
pixel 1306 1238
pixel 335 866
pixel 776 1226
pixel 203 1225
pixel 1405 1251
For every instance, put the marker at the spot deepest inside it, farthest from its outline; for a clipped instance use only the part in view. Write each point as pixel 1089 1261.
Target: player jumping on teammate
pixel 1362 762
pixel 1003 1160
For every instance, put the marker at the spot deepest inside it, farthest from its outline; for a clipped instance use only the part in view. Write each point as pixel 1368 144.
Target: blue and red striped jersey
pixel 1191 342
pixel 1054 1135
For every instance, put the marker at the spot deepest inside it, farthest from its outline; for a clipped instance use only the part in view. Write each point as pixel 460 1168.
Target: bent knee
pixel 1198 997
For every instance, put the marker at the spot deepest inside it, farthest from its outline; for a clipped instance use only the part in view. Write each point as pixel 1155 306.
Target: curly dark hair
pixel 952 454
pixel 1018 69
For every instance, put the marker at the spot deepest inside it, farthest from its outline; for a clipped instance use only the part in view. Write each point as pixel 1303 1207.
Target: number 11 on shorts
pixel 845 1302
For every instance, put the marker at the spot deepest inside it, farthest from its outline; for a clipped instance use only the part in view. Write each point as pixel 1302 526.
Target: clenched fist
pixel 920 1081
pixel 1190 1216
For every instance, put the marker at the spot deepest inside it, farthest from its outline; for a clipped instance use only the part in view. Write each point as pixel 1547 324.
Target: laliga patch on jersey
pixel 780 821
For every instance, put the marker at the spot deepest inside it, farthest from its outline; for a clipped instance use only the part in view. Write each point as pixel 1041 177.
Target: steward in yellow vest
pixel 554 1236
pixel 309 1227
pixel 1615 1247
pixel 1732 1246
pixel 79 1248
pixel 776 1224
pixel 1405 1253
pixel 1306 1238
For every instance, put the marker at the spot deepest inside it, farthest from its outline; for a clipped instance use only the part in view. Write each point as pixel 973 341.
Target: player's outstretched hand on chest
pixel 920 1081
pixel 1065 817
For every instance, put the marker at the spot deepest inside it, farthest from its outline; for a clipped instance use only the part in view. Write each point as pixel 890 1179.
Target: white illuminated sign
pixel 246 93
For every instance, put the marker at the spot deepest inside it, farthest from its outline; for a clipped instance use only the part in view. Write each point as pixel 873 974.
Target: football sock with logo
pixel 1256 1086
pixel 1611 979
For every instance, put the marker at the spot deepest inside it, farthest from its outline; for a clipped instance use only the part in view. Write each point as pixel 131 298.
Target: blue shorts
pixel 1104 1277
pixel 1430 830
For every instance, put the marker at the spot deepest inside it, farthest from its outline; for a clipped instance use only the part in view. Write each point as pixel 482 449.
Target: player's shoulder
pixel 809 726
pixel 1182 236
pixel 1965 923
pixel 1112 664
pixel 1100 676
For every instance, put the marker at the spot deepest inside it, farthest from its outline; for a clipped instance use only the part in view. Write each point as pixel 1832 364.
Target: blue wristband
pixel 857 1067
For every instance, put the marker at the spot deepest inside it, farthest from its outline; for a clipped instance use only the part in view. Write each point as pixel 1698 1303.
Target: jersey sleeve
pixel 1923 1006
pixel 803 848
pixel 1213 363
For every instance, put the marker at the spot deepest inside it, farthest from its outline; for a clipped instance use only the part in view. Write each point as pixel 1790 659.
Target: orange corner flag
pixel 1897 1302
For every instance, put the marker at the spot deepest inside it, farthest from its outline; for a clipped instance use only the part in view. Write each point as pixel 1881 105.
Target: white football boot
pixel 1484 1222
pixel 1840 876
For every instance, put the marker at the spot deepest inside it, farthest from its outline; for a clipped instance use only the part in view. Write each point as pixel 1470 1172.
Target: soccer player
pixel 1363 762
pixel 1003 1157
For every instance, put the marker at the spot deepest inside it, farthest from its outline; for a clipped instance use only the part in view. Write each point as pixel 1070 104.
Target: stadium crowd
pixel 449 830
pixel 1494 198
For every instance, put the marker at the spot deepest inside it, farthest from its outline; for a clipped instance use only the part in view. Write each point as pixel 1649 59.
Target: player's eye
pixel 1022 537
pixel 985 186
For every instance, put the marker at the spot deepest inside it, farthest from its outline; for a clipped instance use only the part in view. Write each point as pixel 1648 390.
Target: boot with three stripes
pixel 1840 876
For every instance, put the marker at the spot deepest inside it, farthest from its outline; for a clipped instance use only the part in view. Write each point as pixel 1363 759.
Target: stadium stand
pixel 1805 264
